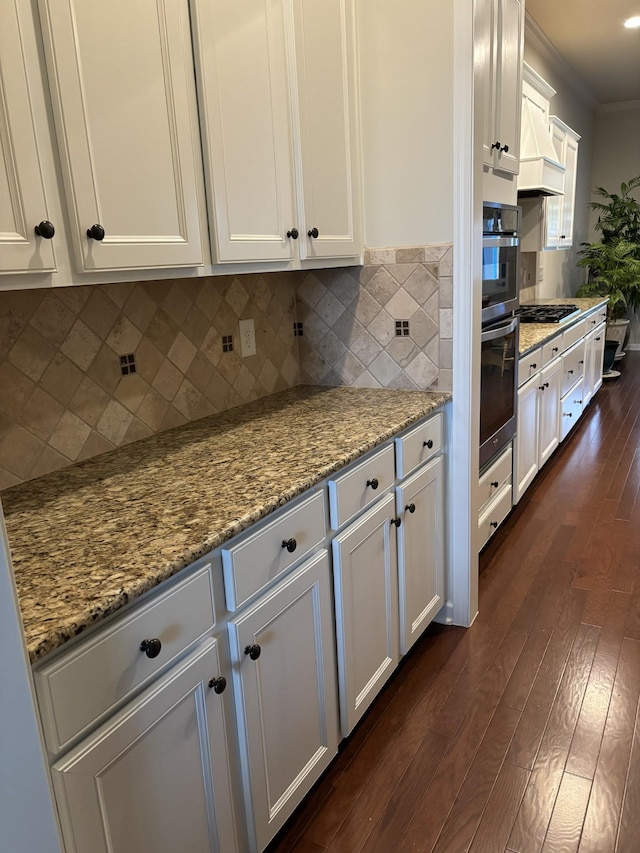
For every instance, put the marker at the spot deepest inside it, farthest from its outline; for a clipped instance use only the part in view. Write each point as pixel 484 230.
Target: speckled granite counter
pixel 534 334
pixel 88 539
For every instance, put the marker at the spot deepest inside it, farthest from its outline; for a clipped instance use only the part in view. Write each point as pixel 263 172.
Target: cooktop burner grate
pixel 547 313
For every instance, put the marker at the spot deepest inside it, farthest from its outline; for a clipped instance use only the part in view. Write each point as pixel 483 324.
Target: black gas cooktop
pixel 547 313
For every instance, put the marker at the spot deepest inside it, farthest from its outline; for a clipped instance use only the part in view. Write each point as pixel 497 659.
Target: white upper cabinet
pixel 277 105
pixel 23 205
pixel 502 28
pixel 561 209
pixel 121 82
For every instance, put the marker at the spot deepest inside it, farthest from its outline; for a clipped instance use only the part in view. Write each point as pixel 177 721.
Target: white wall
pixel 27 822
pixel 561 276
pixel 616 158
pixel 406 78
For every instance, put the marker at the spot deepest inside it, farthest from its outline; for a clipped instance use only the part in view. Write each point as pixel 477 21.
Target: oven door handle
pixel 499 331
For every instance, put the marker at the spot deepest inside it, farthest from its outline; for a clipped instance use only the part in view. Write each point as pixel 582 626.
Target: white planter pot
pixel 616 331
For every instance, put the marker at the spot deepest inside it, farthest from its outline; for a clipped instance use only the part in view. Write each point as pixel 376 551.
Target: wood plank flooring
pixel 521 733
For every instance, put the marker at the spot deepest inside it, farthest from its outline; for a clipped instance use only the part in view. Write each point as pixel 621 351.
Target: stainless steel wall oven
pixel 500 328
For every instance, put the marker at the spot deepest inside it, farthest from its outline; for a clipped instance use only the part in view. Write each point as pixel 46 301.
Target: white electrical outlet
pixel 247 338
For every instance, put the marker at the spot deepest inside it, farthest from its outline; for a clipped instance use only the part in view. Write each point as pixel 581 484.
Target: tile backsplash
pixel 86 369
pixel 387 324
pixel 63 395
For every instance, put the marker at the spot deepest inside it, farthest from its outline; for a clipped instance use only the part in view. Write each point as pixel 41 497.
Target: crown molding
pixel 619 106
pixel 536 37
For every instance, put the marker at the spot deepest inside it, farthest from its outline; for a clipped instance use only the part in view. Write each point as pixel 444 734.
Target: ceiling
pixel 590 37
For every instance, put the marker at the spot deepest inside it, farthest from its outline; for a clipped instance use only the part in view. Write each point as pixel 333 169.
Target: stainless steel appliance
pixel 500 251
pixel 498 383
pixel 500 328
pixel 547 313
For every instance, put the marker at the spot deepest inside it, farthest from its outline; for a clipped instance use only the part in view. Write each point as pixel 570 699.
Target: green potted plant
pixel 614 263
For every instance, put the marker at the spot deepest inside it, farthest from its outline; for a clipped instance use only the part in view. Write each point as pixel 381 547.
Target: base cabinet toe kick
pixel 199 716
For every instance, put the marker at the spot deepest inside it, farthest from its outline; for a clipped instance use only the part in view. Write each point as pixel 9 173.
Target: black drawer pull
pixel 151 648
pixel 410 508
pixel 219 684
pixel 396 521
pixel 45 229
pixel 373 482
pixel 290 544
pixel 495 484
pixel 493 524
pixel 428 443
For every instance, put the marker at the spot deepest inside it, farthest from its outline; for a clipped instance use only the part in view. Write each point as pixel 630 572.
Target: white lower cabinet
pixel 548 425
pixel 155 777
pixel 419 503
pixel 526 443
pixel 283 662
pixel 571 407
pixel 366 593
pixel 594 362
pixel 495 495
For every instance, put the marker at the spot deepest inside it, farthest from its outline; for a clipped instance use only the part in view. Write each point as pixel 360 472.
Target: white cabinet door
pixel 121 79
pixel 597 348
pixel 500 45
pixel 509 85
pixel 277 102
pixel 549 422
pixel 325 133
pixel 366 593
pixel 243 90
pixel 560 209
pixel 527 438
pixel 571 408
pixel 23 204
pixel 419 502
pixel 286 700
pixel 155 778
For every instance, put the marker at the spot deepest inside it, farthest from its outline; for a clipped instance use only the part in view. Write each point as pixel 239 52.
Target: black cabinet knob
pixel 598 339
pixel 546 384
pixel 373 483
pixel 253 651
pixel 593 322
pixel 570 371
pixel 567 415
pixel 540 387
pixel 578 402
pixel 504 149
pixel 563 236
pixel 428 443
pixel 493 524
pixel 581 362
pixel 290 544
pixel 533 366
pixel 496 145
pixel 293 233
pixel 219 685
pixel 495 484
pixel 45 229
pixel 410 508
pixel 396 521
pixel 313 233
pixel 555 349
pixel 96 232
pixel 151 648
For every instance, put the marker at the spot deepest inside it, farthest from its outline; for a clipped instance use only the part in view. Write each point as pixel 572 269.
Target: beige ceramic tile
pixel 95 445
pixel 182 352
pixel 162 331
pixel 153 409
pixel 124 337
pixel 136 431
pixel 89 401
pixel 114 422
pixel 70 435
pixel 50 460
pixel 81 345
pixel 167 380
pixel 177 303
pixel 53 319
pixel 140 308
pixel 187 399
pixel 99 313
pixel 105 369
pixel 15 389
pixel 200 371
pixel 41 414
pixel 131 391
pixel 11 327
pixel 19 451
pixel 62 378
pixel 410 256
pixel 120 292
pixel 31 353
pixel 148 359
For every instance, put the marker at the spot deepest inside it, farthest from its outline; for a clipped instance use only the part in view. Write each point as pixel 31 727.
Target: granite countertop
pixel 88 539
pixel 534 334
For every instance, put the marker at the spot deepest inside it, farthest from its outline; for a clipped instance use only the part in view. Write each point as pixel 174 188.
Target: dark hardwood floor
pixel 521 733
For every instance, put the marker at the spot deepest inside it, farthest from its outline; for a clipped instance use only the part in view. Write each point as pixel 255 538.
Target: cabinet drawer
pixel 494 514
pixel 572 366
pixel 82 686
pixel 495 477
pixel 551 350
pixel 417 446
pixel 573 334
pixel 528 364
pixel 594 319
pixel 256 560
pixel 571 407
pixel 360 486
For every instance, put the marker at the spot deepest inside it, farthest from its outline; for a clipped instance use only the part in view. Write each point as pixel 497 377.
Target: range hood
pixel 540 172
